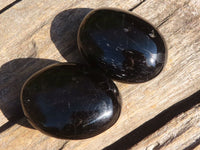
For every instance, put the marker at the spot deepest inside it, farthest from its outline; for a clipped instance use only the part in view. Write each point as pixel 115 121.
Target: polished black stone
pixel 124 46
pixel 70 101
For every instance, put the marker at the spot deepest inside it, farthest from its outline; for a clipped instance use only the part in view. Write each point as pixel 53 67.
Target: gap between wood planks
pixel 194 145
pixel 152 125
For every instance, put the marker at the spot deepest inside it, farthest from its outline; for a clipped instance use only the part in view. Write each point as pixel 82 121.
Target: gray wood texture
pixel 34 34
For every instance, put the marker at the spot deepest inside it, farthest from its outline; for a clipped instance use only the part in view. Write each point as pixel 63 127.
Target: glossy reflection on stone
pixel 70 101
pixel 124 46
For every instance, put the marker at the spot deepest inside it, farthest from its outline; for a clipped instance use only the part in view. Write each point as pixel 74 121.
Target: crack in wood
pixel 9 6
pixel 131 9
pixel 170 15
pixel 172 138
pixel 63 146
pixel 167 18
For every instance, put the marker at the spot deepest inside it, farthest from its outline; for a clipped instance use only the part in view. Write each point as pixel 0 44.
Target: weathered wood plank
pixel 167 131
pixel 141 102
pixel 23 20
pixel 4 3
pixel 23 139
pixel 158 11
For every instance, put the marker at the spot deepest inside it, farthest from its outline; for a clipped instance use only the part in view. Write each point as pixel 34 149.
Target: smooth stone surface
pixel 70 101
pixel 124 46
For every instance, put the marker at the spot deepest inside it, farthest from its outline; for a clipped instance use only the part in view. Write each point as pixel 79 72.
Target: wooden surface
pixel 180 133
pixel 5 3
pixel 163 113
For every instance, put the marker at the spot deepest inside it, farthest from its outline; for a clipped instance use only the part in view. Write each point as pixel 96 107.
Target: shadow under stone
pixel 13 74
pixel 64 30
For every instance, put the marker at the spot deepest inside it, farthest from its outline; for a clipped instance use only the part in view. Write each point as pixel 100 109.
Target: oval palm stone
pixel 124 46
pixel 70 101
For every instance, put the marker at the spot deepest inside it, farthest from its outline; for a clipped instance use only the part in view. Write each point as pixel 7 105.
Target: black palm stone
pixel 70 101
pixel 124 46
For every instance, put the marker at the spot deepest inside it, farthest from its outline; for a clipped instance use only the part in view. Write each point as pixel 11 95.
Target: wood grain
pixel 34 34
pixel 27 18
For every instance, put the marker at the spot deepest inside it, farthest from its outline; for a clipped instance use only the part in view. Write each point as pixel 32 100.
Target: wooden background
pixel 163 113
